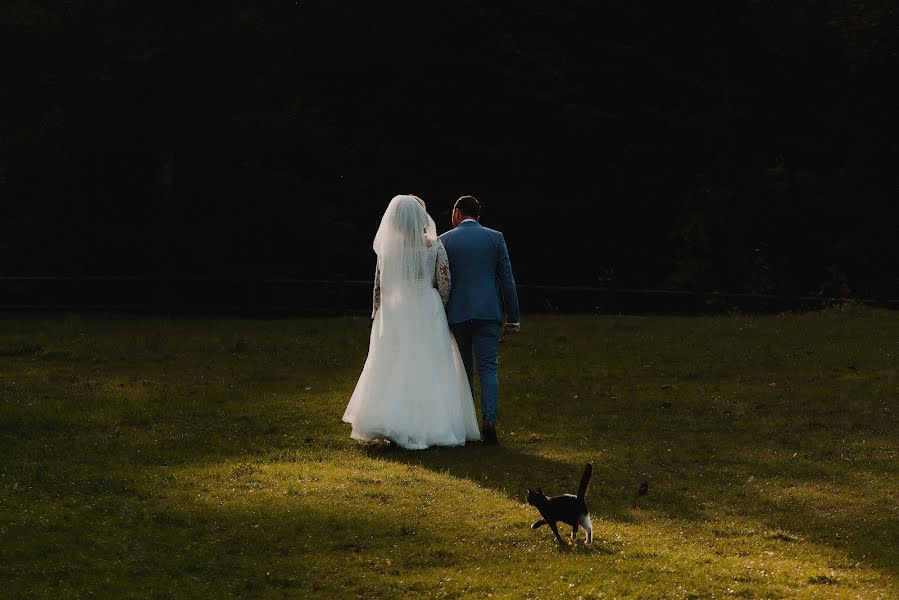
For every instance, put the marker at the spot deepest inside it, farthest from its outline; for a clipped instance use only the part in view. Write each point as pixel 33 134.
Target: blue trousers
pixel 482 337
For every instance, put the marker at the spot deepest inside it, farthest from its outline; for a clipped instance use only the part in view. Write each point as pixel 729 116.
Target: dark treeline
pixel 740 145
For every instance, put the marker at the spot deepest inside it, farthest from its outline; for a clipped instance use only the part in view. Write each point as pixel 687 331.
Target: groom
pixel 482 283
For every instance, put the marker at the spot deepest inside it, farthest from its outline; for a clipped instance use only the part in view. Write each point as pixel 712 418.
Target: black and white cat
pixel 566 508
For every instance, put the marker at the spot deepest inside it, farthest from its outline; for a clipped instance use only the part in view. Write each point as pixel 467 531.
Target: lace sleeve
pixel 376 294
pixel 442 273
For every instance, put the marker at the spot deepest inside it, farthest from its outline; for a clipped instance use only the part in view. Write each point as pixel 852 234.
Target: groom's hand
pixel 511 328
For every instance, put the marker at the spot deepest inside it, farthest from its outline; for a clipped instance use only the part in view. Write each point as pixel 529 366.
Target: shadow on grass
pixel 507 470
pixel 725 494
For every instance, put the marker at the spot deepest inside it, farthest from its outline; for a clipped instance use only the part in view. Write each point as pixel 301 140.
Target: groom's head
pixel 466 207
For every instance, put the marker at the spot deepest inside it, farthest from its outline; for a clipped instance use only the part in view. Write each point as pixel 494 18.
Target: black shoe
pixel 489 434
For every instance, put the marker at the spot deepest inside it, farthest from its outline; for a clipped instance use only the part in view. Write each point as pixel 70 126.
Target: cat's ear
pixel 540 490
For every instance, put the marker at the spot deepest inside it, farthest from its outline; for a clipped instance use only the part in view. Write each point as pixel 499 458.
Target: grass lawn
pixel 204 457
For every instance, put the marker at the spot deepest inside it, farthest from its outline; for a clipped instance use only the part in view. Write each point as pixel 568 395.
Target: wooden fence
pixel 342 296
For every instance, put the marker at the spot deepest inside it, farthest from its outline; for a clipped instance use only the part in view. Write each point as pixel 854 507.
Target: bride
pixel 413 389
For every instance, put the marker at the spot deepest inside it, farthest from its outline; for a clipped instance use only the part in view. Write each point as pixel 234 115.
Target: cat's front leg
pixel 555 529
pixel 574 533
pixel 538 523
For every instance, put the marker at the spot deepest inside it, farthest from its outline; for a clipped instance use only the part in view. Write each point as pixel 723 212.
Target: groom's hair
pixel 468 206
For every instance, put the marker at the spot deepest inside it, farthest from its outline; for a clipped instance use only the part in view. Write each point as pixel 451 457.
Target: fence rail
pixel 341 296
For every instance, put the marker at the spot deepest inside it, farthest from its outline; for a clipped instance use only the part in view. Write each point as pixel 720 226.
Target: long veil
pixel 402 242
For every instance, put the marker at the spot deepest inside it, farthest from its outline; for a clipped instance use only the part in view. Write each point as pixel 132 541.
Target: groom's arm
pixel 507 284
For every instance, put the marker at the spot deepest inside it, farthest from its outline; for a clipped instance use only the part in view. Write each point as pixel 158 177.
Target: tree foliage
pixel 740 145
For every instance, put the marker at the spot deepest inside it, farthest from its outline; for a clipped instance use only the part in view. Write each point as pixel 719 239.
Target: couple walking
pixel 417 383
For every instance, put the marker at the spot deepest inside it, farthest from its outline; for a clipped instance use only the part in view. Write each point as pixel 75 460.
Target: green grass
pixel 192 457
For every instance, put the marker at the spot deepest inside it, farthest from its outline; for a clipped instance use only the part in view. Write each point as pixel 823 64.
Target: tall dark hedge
pixel 739 145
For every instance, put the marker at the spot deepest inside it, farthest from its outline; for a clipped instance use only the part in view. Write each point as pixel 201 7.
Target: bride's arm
pixel 376 294
pixel 442 274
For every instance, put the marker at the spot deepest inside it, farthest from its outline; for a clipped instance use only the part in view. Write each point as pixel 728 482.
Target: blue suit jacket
pixel 481 275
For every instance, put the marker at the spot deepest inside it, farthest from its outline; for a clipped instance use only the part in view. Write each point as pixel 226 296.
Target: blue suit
pixel 482 286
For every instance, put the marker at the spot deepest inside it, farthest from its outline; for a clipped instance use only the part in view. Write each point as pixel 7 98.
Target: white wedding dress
pixel 413 388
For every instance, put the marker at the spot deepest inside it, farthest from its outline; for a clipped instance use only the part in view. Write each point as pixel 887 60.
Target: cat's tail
pixel 585 481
